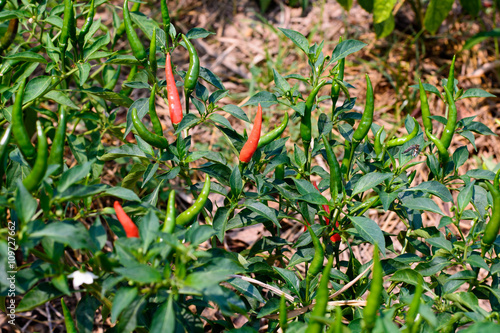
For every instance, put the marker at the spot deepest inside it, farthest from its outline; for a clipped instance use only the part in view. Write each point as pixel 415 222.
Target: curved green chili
pixel 127 90
pixel 449 129
pixel 2 4
pixel 424 106
pixel 283 319
pixel 57 150
pixel 379 144
pixel 413 309
pixel 336 87
pixel 87 25
pixel 169 224
pixel 121 28
pixel 151 138
pixel 305 123
pixel 193 71
pixel 4 143
pixel 319 255
pixel 9 35
pixel 35 177
pixel 110 85
pixel 443 152
pixel 322 296
pixel 376 288
pixel 18 129
pixel 367 117
pixel 189 214
pixel 166 19
pixel 493 225
pixel 405 138
pixel 68 29
pixel 273 134
pixel 133 39
pixel 335 177
pixel 152 113
pixel 451 77
pixel 152 54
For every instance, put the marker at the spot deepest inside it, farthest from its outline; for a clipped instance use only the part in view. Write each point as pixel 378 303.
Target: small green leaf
pixel 297 38
pixel 264 98
pixel 422 204
pixel 141 273
pixel 369 231
pixel 369 181
pixel 436 13
pixel 345 48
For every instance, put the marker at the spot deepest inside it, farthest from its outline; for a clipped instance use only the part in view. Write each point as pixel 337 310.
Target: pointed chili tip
pixel 252 143
pixel 128 225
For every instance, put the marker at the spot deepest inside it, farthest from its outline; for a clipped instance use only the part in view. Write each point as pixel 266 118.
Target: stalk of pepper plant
pixel 405 138
pixel 35 177
pixel 18 128
pixel 169 224
pixel 151 138
pixel 187 216
pixel 56 156
pixel 376 288
pixel 367 117
pixel 193 71
pixel 152 112
pixel 9 35
pixel 252 143
pixel 152 54
pixel 322 295
pixel 86 26
pixel 128 225
pixel 174 101
pixel 133 39
pixel 273 134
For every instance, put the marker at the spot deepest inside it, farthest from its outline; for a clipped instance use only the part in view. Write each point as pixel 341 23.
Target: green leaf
pixel 476 92
pixel 465 196
pixel 40 294
pixel 297 38
pixel 110 96
pixel 264 98
pixel 122 193
pixel 74 235
pixel 369 231
pixel 472 7
pixel 220 222
pixel 61 98
pixel 36 88
pixel 236 111
pixel 25 204
pixel 27 56
pixel 128 150
pixel 141 273
pixel 85 313
pixel 199 33
pixel 435 188
pixel 123 298
pixel 369 181
pixel 345 48
pixel 123 59
pixel 481 36
pixel 422 204
pixel 164 318
pixel 384 28
pixel 346 4
pixel 211 78
pixel 366 5
pixel 235 182
pixel 292 281
pixel 247 289
pixel 73 175
pixel 436 13
pixel 280 82
pixel 262 210
pixel 440 242
pixel 407 275
pixel 187 121
pixel 382 10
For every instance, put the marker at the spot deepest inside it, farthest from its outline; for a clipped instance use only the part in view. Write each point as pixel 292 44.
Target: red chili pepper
pixel 253 139
pixel 174 101
pixel 335 237
pixel 126 222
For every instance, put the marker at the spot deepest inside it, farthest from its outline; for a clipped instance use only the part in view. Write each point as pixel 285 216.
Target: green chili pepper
pixel 35 177
pixel 424 105
pixel 336 87
pixel 111 83
pixel 451 78
pixel 405 138
pixel 367 117
pixel 68 29
pixel 337 327
pixel 121 28
pixel 189 214
pixel 152 113
pixel 493 225
pixel 169 225
pixel 443 152
pixel 18 129
pixel 151 138
pixel 127 90
pixel 279 173
pixel 305 123
pixel 335 177
pixel 193 72
pixel 166 19
pixel 319 255
pixel 9 35
pixel 413 309
pixel 4 143
pixel 449 129
pixel 322 296
pixel 376 288
pixel 379 144
pixel 283 319
pixel 273 134
pixel 57 150
pixel 152 54
pixel 133 39
pixel 2 4
pixel 68 321
pixel 87 25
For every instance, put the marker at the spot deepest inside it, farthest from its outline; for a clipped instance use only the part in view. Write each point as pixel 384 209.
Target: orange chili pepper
pixel 126 222
pixel 174 101
pixel 253 139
